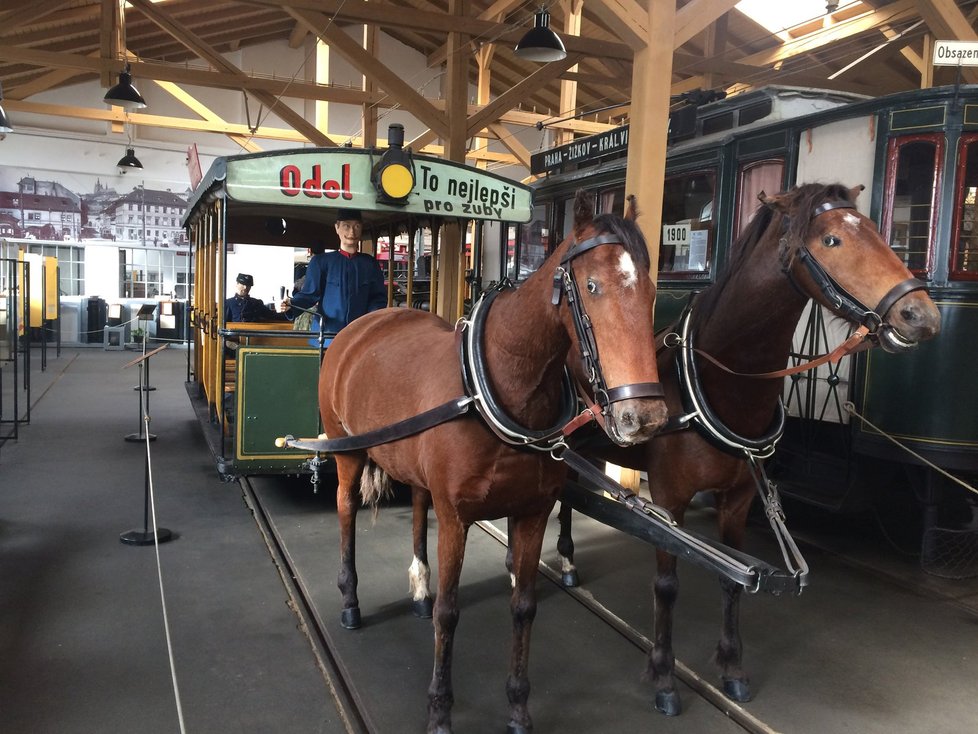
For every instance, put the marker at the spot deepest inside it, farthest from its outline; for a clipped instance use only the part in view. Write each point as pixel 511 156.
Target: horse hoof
pixel 517 729
pixel 350 618
pixel 668 703
pixel 423 607
pixel 737 689
pixel 570 579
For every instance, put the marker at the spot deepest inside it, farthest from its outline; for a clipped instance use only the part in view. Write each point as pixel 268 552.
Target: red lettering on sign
pixel 288 180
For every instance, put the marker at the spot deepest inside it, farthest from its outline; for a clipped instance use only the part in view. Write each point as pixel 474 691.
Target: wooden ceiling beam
pixel 203 50
pixel 349 49
pixel 626 18
pixel 29 14
pixel 384 14
pixel 188 75
pixel 696 15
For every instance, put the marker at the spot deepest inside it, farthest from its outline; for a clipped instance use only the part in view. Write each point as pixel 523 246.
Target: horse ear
pixel 583 209
pixel 773 202
pixel 631 208
pixel 855 191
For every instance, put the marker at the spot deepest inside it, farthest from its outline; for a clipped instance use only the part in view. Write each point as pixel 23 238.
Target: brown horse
pixel 397 363
pixel 809 243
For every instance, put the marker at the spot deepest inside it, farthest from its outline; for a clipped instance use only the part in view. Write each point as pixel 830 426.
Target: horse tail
pixel 375 485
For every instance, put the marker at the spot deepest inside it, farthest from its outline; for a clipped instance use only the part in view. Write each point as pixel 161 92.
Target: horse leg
pixel 451 550
pixel 732 507
pixel 662 659
pixel 565 548
pixel 348 471
pixel 420 573
pixel 526 540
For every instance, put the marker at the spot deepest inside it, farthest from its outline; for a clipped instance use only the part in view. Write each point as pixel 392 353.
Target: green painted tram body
pixel 924 398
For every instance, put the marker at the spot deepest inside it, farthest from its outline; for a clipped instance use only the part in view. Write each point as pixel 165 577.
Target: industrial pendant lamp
pixel 124 94
pixel 540 43
pixel 129 160
pixel 5 126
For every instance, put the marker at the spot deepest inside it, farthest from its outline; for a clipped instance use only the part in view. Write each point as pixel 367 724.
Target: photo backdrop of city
pixel 89 225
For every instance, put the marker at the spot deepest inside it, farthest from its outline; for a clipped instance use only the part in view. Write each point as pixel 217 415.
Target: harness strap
pixel 631 513
pixel 897 292
pixel 393 432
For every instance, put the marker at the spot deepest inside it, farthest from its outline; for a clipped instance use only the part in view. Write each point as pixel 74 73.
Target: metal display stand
pixel 144 315
pixel 146 536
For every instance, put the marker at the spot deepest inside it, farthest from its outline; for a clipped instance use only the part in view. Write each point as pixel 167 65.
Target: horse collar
pixel 707 423
pixel 475 378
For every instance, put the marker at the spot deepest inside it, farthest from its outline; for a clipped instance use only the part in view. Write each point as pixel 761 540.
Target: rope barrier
pixel 159 572
pixel 851 409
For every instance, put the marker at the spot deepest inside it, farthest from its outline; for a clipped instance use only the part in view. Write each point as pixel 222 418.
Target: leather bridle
pixel 565 283
pixel 841 300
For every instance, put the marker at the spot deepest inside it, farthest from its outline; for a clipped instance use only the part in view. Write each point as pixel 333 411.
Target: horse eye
pixel 830 240
pixel 592 287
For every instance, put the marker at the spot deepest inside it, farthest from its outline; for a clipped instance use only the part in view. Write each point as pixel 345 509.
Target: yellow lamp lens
pixel 396 181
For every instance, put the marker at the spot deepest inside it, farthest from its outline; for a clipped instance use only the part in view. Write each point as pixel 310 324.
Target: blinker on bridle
pixel 565 283
pixel 843 301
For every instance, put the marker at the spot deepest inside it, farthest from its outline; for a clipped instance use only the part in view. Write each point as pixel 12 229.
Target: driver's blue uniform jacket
pixel 343 287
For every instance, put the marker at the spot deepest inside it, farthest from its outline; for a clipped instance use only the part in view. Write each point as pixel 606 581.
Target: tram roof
pixel 305 187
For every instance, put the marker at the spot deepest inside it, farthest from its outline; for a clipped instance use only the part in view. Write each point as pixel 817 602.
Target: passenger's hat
pixel 245 279
pixel 346 215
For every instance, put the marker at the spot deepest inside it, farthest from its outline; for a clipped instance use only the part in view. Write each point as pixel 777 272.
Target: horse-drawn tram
pixel 256 215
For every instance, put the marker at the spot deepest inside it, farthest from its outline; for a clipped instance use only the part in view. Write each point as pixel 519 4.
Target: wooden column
pixel 651 82
pixel 451 252
pixel 568 88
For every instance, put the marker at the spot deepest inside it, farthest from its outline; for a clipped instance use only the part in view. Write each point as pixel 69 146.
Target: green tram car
pixel 917 155
pixel 253 382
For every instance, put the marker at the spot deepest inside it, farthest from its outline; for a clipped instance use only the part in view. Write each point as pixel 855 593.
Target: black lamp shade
pixel 540 43
pixel 124 94
pixel 129 160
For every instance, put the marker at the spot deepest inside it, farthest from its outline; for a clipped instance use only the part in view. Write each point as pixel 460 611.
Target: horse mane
pixel 803 199
pixel 628 233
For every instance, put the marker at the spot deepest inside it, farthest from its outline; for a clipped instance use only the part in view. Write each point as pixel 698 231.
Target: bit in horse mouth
pixel 893 341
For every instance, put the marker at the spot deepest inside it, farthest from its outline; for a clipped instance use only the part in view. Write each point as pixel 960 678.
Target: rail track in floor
pixel 342 684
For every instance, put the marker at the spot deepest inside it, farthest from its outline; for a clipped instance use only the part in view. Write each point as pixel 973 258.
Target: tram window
pixel 534 243
pixel 687 223
pixel 964 248
pixel 612 202
pixel 766 175
pixel 912 178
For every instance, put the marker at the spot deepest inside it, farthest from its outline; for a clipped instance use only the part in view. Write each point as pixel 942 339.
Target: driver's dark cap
pixel 349 215
pixel 245 279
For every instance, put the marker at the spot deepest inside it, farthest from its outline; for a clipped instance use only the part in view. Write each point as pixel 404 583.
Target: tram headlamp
pixel 393 175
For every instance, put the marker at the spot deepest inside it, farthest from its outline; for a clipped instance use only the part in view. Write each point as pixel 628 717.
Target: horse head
pixel 836 255
pixel 604 268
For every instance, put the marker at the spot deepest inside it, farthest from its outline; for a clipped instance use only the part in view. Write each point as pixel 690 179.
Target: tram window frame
pixel 894 148
pixel 968 143
pixel 686 274
pixel 747 202
pixel 536 233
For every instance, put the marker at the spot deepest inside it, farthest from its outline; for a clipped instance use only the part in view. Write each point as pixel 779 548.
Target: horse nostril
pixel 627 419
pixel 909 314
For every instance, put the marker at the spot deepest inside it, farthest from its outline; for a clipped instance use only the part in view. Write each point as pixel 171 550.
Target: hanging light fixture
pixel 5 126
pixel 124 94
pixel 831 6
pixel 540 43
pixel 129 160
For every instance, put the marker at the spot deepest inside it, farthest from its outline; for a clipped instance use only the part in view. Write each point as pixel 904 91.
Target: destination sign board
pixel 582 150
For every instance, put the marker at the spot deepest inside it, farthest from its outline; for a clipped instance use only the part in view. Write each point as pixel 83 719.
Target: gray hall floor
pixel 872 646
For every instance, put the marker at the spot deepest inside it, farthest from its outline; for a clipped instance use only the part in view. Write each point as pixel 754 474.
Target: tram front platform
pixel 83 646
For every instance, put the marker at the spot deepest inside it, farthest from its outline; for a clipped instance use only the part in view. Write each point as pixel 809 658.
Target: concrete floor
pixel 874 645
